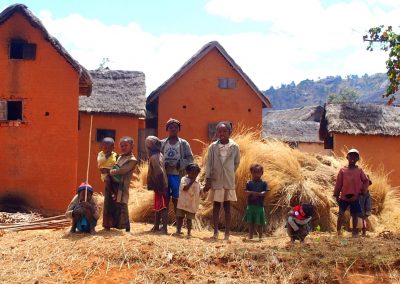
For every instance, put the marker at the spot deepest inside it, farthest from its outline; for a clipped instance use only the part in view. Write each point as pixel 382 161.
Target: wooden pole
pixel 88 160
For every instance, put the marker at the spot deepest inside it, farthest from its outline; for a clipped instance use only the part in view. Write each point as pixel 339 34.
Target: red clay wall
pixel 377 151
pixel 124 126
pixel 196 100
pixel 39 156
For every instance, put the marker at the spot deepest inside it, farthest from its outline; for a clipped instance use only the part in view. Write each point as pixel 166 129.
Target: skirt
pixel 255 215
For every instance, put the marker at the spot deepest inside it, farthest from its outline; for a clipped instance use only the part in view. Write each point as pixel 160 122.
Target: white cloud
pixel 306 40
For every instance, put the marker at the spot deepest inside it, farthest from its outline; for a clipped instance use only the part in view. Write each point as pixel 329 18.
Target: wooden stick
pixel 88 160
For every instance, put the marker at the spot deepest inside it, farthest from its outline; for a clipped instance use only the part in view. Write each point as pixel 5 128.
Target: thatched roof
pixel 85 83
pixel 116 92
pixel 291 130
pixel 194 59
pixel 360 118
pixel 306 113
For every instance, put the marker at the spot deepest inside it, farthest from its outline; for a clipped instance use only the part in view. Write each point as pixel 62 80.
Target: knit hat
pixel 171 121
pixel 84 186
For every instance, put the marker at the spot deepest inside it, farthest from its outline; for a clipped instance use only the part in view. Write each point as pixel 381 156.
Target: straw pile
pixel 293 177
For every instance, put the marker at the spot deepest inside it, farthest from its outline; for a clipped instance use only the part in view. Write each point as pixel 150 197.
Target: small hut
pixel 298 127
pixel 117 106
pixel 373 129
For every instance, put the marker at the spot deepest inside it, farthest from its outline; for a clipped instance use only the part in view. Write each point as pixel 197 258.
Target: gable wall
pixel 40 155
pixel 198 90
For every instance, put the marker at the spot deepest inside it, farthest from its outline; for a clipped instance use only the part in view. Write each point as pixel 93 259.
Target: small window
pixel 103 133
pixel 328 142
pixel 227 83
pixel 10 110
pixel 20 49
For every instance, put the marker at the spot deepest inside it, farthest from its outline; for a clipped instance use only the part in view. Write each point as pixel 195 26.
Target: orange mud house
pixel 39 91
pixel 298 127
pixel 117 107
pixel 210 87
pixel 372 129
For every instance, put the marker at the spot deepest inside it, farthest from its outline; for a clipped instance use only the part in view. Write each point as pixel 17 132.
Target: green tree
pixel 345 95
pixel 389 41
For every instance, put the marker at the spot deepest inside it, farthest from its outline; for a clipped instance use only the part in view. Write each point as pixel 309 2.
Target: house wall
pixel 196 100
pixel 316 148
pixel 376 151
pixel 39 156
pixel 123 125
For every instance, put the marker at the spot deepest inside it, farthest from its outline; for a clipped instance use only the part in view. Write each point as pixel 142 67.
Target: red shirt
pixel 350 182
pixel 298 211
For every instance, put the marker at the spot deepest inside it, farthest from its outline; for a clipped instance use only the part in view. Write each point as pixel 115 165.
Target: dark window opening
pixel 328 142
pixel 227 83
pixel 103 133
pixel 14 110
pixel 20 49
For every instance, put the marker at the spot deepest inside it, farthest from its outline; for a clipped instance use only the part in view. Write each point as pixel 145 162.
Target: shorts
pixel 160 200
pixel 180 213
pixel 255 215
pixel 355 207
pixel 173 186
pixel 221 195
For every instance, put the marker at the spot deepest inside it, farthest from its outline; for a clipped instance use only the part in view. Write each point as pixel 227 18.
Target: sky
pixel 274 42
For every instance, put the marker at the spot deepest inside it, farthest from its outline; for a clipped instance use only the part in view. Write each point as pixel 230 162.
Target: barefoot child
pixel 124 168
pixel 256 190
pixel 84 214
pixel 178 155
pixel 223 159
pixel 366 206
pixel 189 198
pixel 351 182
pixel 299 218
pixel 157 181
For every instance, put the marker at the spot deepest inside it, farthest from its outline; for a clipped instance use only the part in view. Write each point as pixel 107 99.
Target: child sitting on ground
pixel 158 182
pixel 256 190
pixel 106 160
pixel 189 198
pixel 351 182
pixel 84 214
pixel 299 218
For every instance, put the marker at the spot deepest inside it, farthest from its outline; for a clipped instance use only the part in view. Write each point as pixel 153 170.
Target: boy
pixel 84 214
pixel 157 181
pixel 299 218
pixel 256 190
pixel 106 158
pixel 178 155
pixel 351 182
pixel 223 159
pixel 189 200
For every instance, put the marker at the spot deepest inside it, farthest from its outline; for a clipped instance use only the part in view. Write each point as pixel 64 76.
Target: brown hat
pixel 171 121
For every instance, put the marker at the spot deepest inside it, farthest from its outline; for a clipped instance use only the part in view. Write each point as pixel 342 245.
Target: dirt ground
pixel 142 257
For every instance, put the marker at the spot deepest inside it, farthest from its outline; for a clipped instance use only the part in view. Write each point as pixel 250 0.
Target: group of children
pixel 173 175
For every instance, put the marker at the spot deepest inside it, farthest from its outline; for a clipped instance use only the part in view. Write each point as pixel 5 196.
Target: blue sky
pixel 275 42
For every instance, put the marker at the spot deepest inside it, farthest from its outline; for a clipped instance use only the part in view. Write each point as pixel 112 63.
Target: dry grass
pixel 293 177
pixel 141 257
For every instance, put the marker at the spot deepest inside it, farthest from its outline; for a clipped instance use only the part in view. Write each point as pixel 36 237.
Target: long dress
pixel 116 194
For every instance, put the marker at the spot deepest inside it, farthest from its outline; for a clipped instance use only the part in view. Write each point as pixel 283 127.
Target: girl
pixel 223 159
pixel 116 213
pixel 256 190
pixel 189 200
pixel 157 181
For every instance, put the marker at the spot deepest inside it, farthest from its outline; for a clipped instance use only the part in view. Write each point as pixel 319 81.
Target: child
pixel 118 211
pixel 106 158
pixel 351 182
pixel 366 206
pixel 84 214
pixel 299 218
pixel 158 182
pixel 189 200
pixel 256 190
pixel 178 155
pixel 223 159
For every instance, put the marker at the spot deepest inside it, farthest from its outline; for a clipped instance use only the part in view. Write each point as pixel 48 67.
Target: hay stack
pixel 292 176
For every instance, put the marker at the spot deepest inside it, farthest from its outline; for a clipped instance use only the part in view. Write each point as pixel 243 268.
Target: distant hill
pixel 310 92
